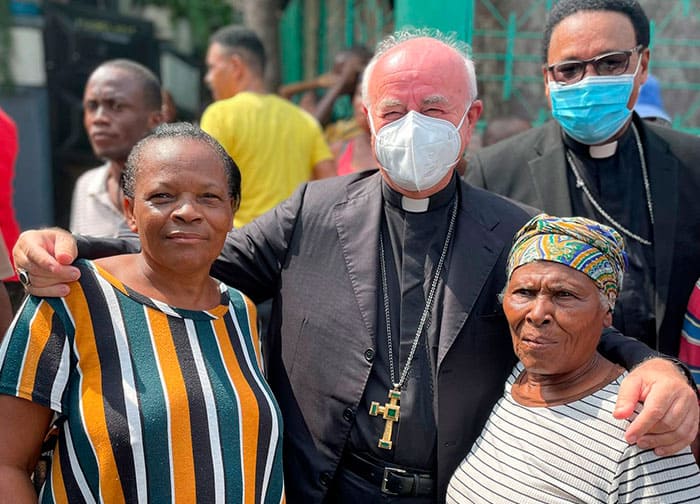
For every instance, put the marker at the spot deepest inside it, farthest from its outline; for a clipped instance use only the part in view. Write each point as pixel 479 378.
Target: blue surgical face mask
pixel 595 108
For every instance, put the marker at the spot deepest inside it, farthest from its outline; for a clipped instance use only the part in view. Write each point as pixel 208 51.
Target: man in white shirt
pixel 121 104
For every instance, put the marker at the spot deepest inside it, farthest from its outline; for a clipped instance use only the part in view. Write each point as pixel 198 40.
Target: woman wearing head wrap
pixel 552 436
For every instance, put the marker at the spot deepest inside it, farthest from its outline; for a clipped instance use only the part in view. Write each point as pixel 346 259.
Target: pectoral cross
pixel 390 413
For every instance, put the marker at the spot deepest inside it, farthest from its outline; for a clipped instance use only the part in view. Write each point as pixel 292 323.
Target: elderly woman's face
pixel 181 207
pixel 555 316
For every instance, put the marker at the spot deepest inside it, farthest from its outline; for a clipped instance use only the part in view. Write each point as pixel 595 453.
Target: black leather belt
pixel 391 480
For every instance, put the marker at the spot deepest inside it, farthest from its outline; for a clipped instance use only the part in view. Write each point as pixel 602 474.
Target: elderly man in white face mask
pixel 387 347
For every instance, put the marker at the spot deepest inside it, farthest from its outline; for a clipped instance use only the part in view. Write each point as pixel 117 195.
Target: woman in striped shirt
pixel 552 437
pixel 150 368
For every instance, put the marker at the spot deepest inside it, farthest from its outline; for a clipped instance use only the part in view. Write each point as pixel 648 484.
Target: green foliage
pixel 6 80
pixel 204 16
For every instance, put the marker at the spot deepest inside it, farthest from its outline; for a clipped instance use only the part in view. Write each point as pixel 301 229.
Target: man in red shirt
pixel 9 146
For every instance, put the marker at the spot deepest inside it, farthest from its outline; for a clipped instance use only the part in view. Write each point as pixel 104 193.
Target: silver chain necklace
pixel 580 184
pixel 390 410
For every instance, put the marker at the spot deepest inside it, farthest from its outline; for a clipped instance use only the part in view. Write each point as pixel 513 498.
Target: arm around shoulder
pixel 253 255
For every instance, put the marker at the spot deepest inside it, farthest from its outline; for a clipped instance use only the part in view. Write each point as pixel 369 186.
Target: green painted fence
pixel 505 37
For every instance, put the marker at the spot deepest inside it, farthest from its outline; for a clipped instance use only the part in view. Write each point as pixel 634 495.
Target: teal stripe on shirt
pixel 225 397
pixel 152 402
pixel 15 347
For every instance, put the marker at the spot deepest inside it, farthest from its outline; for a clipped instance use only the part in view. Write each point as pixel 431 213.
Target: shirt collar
pixel 598 151
pixel 412 205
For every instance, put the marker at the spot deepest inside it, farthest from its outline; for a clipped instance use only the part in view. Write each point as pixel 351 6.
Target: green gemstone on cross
pixel 390 413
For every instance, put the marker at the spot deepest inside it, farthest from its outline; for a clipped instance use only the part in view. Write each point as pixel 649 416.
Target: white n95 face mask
pixel 417 151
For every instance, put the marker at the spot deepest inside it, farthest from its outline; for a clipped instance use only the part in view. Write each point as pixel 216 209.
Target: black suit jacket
pixel 532 168
pixel 317 255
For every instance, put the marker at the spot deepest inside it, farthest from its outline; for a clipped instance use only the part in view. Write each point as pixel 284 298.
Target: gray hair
pixel 401 36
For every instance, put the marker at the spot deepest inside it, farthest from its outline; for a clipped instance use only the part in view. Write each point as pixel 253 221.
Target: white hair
pixel 399 37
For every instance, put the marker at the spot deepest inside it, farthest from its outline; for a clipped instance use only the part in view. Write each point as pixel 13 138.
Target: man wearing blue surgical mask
pixel 599 160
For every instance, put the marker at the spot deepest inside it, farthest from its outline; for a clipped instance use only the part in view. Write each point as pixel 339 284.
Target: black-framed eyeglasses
pixel 612 63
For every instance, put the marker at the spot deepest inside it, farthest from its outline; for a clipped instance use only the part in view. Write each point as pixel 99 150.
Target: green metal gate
pixel 505 37
pixel 508 57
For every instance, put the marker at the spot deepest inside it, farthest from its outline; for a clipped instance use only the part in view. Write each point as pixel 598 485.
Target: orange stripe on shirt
pixel 57 487
pixel 253 324
pixel 91 392
pixel 184 489
pixel 40 331
pixel 251 420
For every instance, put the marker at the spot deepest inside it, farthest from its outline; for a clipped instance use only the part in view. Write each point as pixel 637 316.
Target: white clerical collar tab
pixel 415 205
pixel 603 151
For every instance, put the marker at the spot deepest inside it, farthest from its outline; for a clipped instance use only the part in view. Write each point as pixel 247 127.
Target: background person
pixel 500 128
pixel 9 228
pixel 6 271
pixel 355 154
pixel 341 333
pixel 650 104
pixel 152 366
pixel 276 144
pixel 599 160
pixel 121 105
pixel 339 84
pixel 552 436
pixel 690 336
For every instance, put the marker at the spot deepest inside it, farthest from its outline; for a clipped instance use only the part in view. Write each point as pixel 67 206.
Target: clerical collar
pixel 412 205
pixel 597 151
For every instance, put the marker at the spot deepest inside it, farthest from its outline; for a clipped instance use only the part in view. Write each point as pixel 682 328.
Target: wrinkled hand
pixel 46 255
pixel 668 421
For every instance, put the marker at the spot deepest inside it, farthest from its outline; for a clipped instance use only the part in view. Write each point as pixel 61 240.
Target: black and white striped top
pixel 569 453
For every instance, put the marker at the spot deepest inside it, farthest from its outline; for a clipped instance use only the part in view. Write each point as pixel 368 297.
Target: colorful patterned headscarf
pixel 577 242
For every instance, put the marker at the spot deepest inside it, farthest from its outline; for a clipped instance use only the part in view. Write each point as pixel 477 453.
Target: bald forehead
pixel 424 53
pixel 433 69
pixel 118 79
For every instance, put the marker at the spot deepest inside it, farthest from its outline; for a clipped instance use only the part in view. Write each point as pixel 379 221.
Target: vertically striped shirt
pixel 690 335
pixel 157 404
pixel 569 453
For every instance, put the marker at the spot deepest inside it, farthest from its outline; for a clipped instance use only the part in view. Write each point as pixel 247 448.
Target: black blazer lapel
pixel 357 220
pixel 464 283
pixel 548 171
pixel 663 177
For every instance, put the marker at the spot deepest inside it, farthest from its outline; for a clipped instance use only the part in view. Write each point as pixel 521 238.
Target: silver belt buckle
pixel 387 471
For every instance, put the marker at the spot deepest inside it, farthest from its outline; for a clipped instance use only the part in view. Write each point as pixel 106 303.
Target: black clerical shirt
pixel 616 182
pixel 413 243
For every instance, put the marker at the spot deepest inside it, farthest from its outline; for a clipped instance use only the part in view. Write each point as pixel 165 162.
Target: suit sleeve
pixel 90 247
pixel 623 350
pixel 630 352
pixel 254 255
